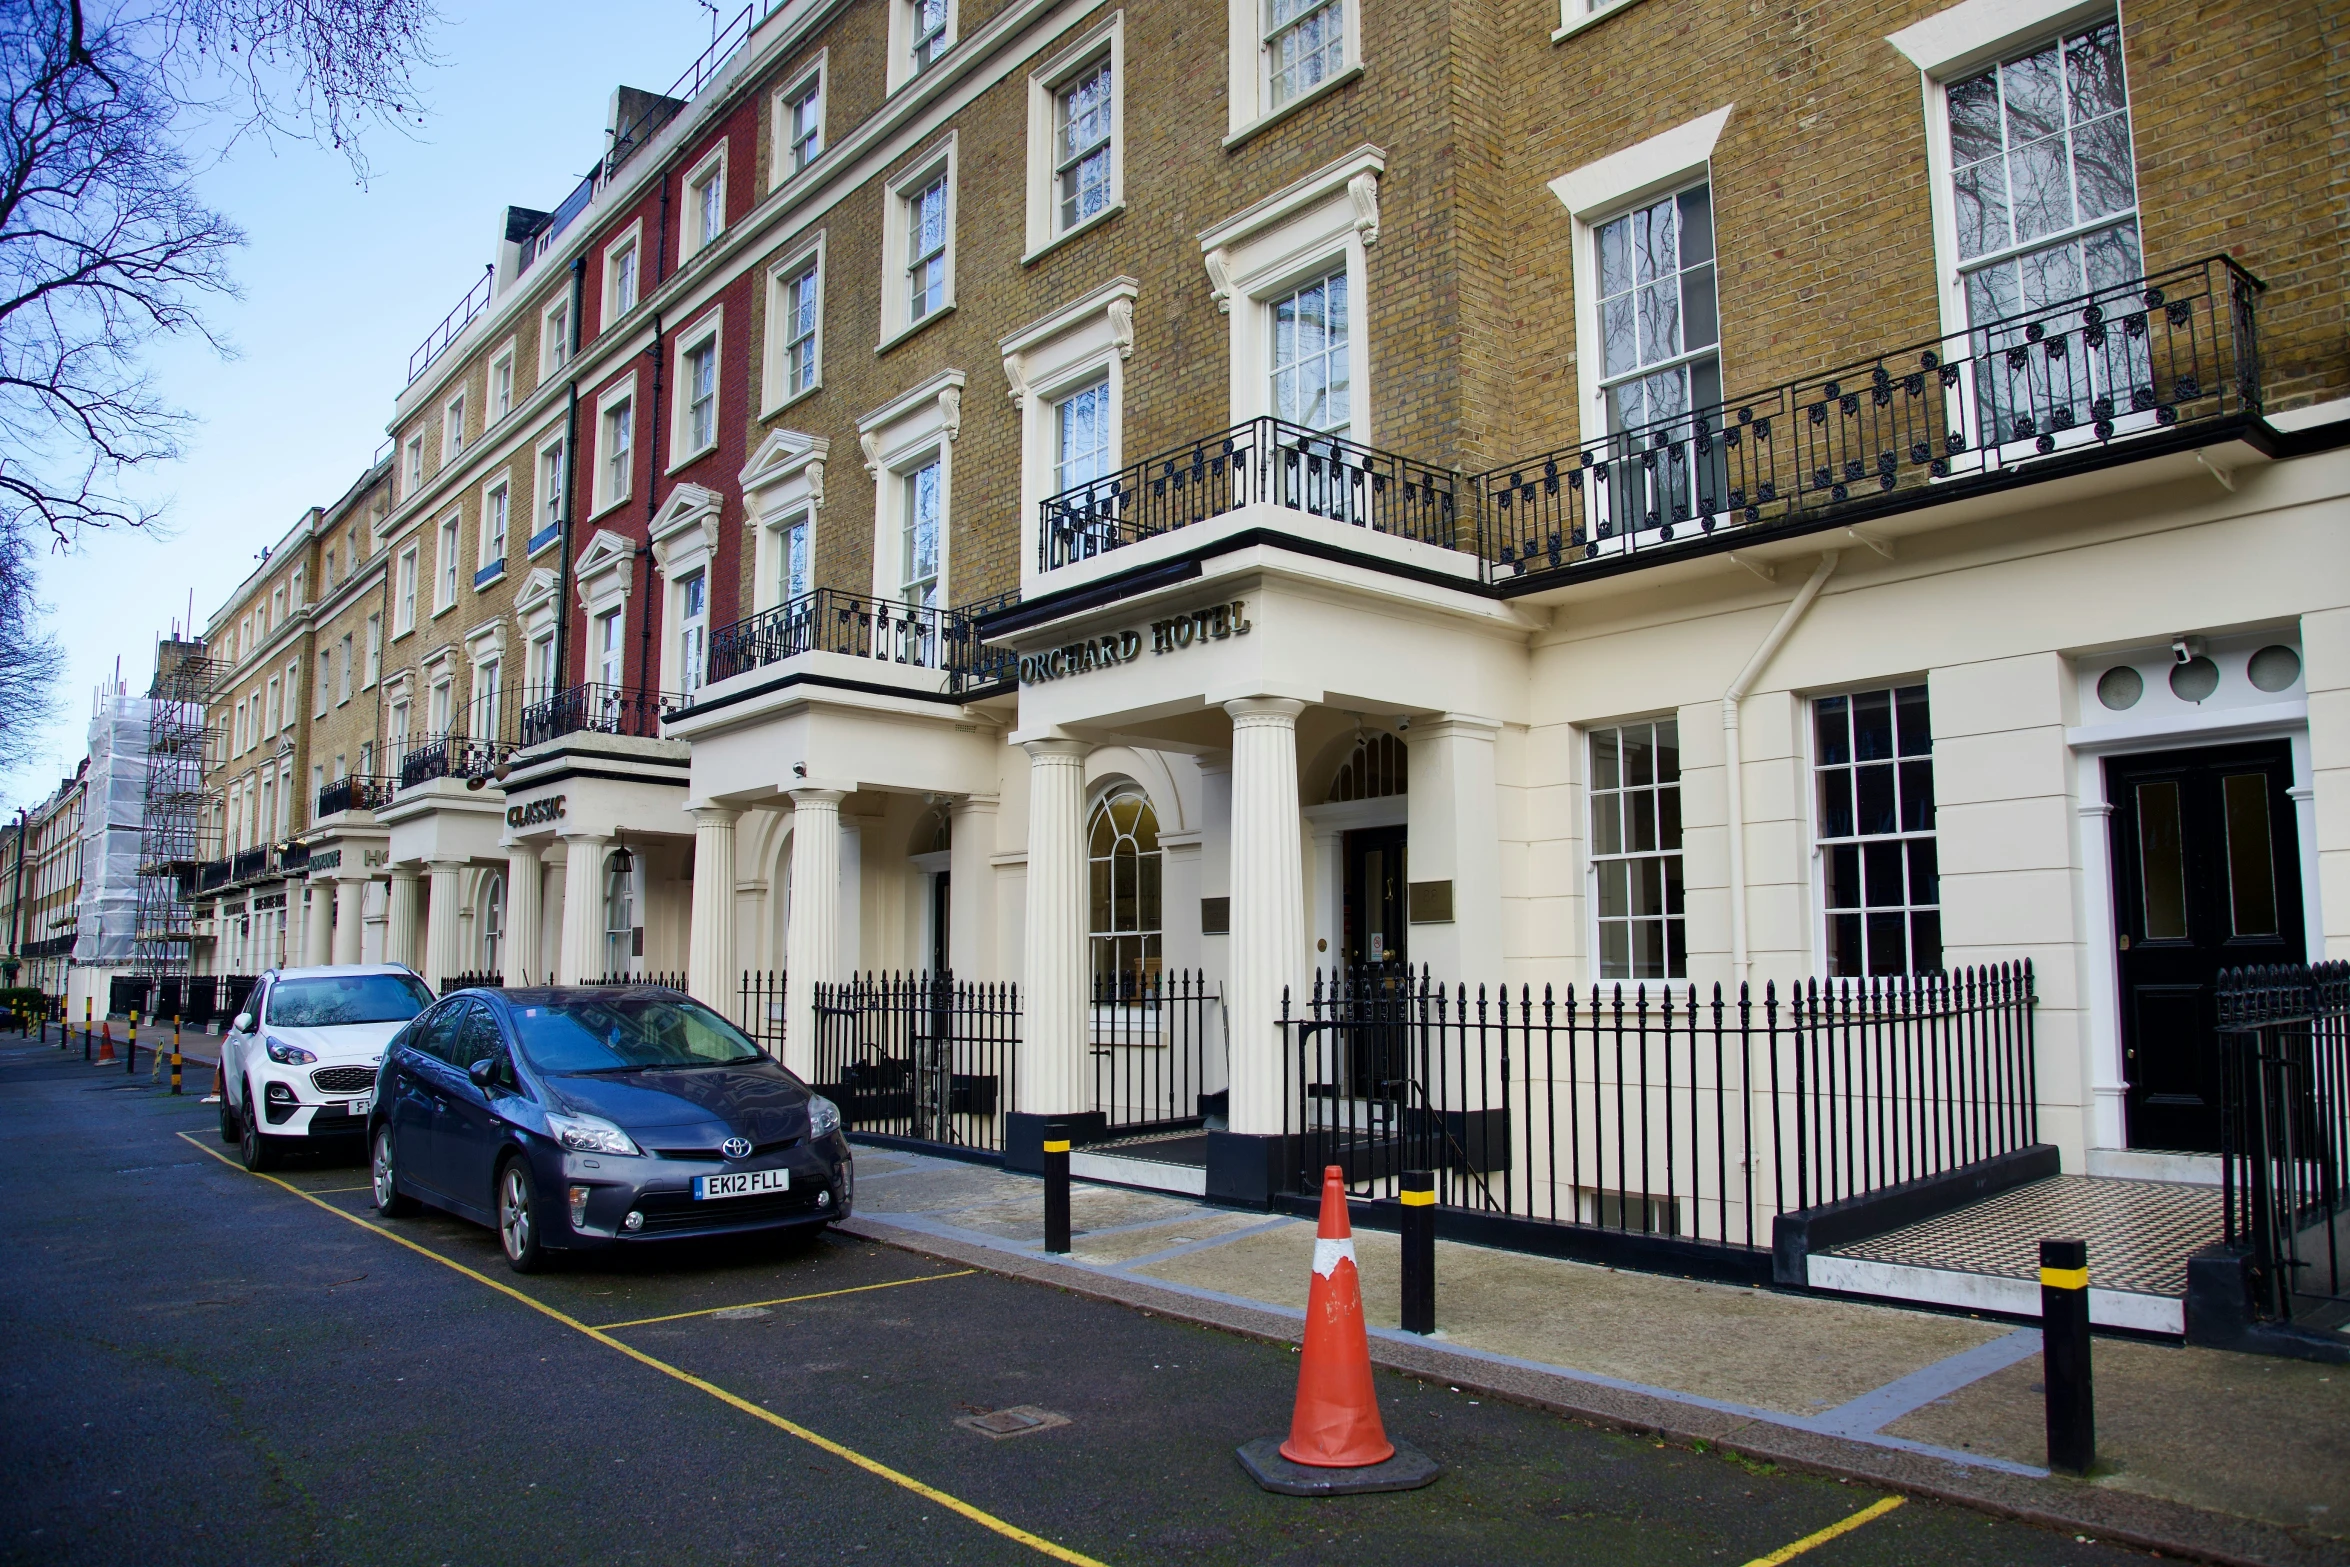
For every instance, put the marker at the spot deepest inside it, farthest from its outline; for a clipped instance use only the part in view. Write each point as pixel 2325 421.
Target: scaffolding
pixel 176 822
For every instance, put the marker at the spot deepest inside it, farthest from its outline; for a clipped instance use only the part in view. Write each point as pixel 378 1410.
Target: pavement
pixel 210 1366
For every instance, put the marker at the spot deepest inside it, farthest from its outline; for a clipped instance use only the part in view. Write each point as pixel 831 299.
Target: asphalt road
pixel 205 1366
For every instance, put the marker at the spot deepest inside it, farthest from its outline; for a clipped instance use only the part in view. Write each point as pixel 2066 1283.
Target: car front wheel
pixel 390 1201
pixel 230 1131
pixel 518 1227
pixel 252 1146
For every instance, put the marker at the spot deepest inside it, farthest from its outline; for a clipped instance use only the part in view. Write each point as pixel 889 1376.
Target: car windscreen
pixel 347 998
pixel 623 1032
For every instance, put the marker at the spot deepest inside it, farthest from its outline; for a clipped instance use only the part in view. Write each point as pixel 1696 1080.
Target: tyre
pixel 518 1218
pixel 252 1145
pixel 230 1131
pixel 390 1201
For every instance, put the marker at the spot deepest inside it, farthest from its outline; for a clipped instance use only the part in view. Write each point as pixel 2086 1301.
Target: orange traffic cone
pixel 106 1040
pixel 1336 1425
pixel 1337 1444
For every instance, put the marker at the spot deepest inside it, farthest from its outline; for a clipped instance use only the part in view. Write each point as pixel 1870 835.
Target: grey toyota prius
pixel 582 1119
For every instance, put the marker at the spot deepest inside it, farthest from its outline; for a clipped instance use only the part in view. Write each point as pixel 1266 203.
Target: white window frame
pixel 1575 15
pixel 901 67
pixel 448 539
pixel 555 334
pixel 782 487
pixel 707 332
pixel 1046 361
pixel 405 589
pixel 775 376
pixel 899 440
pixel 1596 863
pixel 1045 86
pixel 326 672
pixel 612 397
pixel 343 675
pixel 453 429
pixel 783 161
pixel 689 651
pixel 1814 827
pixel 275 719
pixel 489 671
pixel 549 497
pixel 294 594
pixel 502 384
pixel 630 240
pixel 375 652
pixel 1249 106
pixel 897 315
pixel 1329 218
pixel 495 536
pixel 412 467
pixel 693 235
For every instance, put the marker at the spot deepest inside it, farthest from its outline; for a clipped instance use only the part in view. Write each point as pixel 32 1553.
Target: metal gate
pixel 923 1056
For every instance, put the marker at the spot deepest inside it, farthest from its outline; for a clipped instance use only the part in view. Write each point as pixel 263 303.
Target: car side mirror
pixel 483 1072
pixel 244 1023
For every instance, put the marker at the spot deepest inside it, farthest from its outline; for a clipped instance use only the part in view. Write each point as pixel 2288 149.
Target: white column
pixel 1455 836
pixel 971 943
pixel 581 957
pixel 1268 904
pixel 811 939
pixel 350 895
pixel 317 923
pixel 400 921
pixel 1052 991
pixel 444 956
pixel 523 914
pixel 711 975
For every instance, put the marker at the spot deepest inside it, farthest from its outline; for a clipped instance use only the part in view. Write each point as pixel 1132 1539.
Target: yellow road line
pixel 1810 1542
pixel 787 1300
pixel 873 1466
pixel 328 1191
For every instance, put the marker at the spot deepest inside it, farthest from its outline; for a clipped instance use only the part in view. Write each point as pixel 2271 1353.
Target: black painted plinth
pixel 1408 1470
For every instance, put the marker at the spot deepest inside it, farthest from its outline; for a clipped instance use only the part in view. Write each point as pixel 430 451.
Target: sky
pixel 340 283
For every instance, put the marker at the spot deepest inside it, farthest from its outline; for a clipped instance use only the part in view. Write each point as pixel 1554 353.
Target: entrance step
pixel 2143 1164
pixel 1987 1257
pixel 1177 1163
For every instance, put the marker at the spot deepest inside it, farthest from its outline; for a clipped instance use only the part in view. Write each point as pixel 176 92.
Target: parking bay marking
pixel 873 1466
pixel 1842 1526
pixel 788 1300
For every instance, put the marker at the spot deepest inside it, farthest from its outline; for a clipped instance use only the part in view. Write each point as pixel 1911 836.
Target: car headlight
pixel 590 1134
pixel 823 1116
pixel 287 1055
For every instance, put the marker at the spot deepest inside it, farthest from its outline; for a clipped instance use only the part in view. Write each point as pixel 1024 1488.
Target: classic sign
pixel 549 809
pixel 1215 623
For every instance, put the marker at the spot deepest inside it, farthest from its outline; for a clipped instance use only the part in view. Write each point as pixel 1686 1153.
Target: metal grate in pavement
pixel 2140 1233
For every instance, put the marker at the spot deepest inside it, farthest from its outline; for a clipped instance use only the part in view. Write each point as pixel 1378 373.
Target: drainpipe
pixel 1733 761
pixel 570 482
pixel 645 669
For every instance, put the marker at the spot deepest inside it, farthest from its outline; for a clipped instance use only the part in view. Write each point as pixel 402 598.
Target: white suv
pixel 305 1050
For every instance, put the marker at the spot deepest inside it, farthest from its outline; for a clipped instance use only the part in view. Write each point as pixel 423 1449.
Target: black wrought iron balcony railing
pixel 596 709
pixel 2169 351
pixel 447 756
pixel 246 864
pixel 853 624
pixel 357 792
pixel 212 875
pixel 293 859
pixel 1266 462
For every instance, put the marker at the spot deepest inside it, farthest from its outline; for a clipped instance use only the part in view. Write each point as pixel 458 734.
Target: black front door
pixel 2206 876
pixel 939 905
pixel 1374 934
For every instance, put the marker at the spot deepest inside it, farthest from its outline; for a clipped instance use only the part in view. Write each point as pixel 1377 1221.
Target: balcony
pixel 294 859
pixel 212 875
pixel 2162 360
pixel 596 709
pixel 249 864
pixel 357 792
pixel 1266 462
pixel 447 756
pixel 856 626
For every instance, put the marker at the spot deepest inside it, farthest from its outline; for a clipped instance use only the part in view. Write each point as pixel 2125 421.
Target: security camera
pixel 2185 650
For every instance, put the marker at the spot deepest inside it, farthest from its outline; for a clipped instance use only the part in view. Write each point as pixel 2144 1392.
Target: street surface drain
pixel 1019 1420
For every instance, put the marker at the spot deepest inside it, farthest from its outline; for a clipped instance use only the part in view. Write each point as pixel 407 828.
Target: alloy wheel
pixel 514 1212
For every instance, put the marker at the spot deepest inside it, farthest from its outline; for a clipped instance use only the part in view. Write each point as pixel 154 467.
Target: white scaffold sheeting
pixel 111 817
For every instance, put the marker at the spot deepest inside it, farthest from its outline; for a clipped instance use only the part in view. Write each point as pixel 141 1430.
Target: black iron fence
pixel 596 709
pixel 1263 461
pixel 2285 1133
pixel 246 864
pixel 356 792
pixel 2156 352
pixel 212 874
pixel 760 1008
pixel 449 755
pixel 672 981
pixel 859 626
pixel 919 1055
pixel 1156 1048
pixel 456 982
pixel 1659 1111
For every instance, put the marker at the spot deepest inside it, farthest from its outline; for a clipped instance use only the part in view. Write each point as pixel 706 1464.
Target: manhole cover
pixel 1019 1420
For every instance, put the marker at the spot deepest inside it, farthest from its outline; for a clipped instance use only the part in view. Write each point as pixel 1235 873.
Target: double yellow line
pixel 872 1466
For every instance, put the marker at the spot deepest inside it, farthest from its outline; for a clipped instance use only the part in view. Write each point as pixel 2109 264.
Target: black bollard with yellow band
pixel 1417 1194
pixel 1056 1187
pixel 2064 1356
pixel 175 1052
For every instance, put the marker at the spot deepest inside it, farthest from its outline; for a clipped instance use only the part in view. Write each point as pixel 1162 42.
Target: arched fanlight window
pixel 1122 841
pixel 619 912
pixel 1380 766
pixel 493 922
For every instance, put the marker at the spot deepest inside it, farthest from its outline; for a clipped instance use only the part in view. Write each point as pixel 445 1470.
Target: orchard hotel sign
pixel 1216 623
